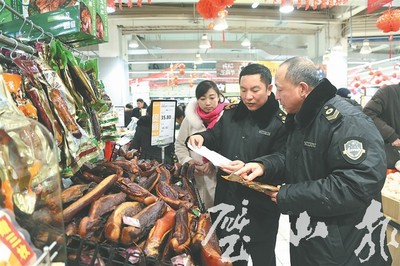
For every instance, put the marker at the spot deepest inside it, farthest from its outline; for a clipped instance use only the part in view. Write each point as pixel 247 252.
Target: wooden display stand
pixel 394 251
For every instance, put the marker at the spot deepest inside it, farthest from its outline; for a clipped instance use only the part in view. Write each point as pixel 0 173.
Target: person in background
pixel 247 130
pixel 179 116
pixel 142 141
pixel 334 168
pixel 201 113
pixel 139 109
pixel 384 109
pixel 128 113
pixel 346 95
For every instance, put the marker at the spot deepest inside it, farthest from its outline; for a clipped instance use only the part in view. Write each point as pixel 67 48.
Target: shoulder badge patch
pixel 281 115
pixel 231 106
pixel 353 149
pixel 331 113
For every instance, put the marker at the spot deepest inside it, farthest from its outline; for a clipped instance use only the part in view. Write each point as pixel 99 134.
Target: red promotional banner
pixel 375 4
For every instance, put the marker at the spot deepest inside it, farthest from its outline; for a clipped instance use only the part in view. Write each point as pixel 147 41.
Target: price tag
pixel 121 115
pixel 163 122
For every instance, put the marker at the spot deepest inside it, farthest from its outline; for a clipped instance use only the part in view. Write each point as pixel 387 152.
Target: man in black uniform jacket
pixel 334 167
pixel 252 128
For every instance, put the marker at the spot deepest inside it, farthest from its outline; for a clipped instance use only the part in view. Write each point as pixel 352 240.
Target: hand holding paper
pixel 216 158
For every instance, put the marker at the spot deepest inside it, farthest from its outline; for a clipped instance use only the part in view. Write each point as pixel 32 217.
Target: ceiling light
pixel 220 24
pixel 198 59
pixel 246 42
pixel 365 49
pixel 110 6
pixel 286 8
pixel 204 43
pixel 133 44
pixel 110 9
pixel 255 5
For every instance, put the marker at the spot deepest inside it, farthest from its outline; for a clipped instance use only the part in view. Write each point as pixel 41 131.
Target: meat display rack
pixel 90 253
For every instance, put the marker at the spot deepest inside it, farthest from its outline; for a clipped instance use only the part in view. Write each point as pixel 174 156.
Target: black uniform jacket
pixel 243 135
pixel 142 142
pixel 334 167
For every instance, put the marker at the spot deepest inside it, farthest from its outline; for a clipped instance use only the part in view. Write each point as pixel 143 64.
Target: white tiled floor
pixel 282 242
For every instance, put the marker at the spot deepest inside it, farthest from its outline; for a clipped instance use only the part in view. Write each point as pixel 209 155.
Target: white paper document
pixel 215 158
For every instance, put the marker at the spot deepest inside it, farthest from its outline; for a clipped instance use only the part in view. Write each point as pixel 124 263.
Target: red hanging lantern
pixel 223 3
pixel 389 20
pixel 207 9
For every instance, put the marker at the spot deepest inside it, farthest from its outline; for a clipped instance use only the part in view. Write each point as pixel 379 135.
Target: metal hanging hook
pixel 20 29
pixel 30 31
pixel 4 5
pixel 51 37
pixel 41 35
pixel 13 51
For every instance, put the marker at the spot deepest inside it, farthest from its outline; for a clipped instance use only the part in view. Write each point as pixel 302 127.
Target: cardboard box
pixel 70 24
pixel 395 252
pixel 101 20
pixel 391 208
pixel 6 15
pixel 101 26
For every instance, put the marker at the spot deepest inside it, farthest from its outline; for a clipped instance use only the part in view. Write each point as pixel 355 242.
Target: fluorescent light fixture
pixel 255 5
pixel 246 42
pixel 133 44
pixel 337 48
pixel 286 8
pixel 365 49
pixel 110 10
pixel 220 24
pixel 198 59
pixel 204 43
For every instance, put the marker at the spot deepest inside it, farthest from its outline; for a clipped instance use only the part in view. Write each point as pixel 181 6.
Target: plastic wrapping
pixel 30 180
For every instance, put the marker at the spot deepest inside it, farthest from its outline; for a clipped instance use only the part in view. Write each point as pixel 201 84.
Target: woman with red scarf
pixel 200 114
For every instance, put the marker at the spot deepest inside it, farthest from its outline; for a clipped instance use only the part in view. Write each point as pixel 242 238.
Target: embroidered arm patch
pixel 331 113
pixel 353 149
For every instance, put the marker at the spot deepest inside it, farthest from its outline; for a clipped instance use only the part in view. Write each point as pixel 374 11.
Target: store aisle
pixel 282 242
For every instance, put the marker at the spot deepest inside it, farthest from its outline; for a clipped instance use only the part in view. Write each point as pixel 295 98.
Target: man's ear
pixel 305 89
pixel 269 89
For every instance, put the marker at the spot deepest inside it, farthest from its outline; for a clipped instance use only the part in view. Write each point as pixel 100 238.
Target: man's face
pixel 253 92
pixel 140 104
pixel 290 96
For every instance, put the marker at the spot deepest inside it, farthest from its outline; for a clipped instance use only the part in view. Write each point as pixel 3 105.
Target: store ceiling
pixel 171 30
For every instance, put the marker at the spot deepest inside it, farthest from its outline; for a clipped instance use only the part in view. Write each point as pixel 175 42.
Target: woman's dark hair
pixel 142 101
pixel 179 112
pixel 149 109
pixel 204 86
pixel 253 69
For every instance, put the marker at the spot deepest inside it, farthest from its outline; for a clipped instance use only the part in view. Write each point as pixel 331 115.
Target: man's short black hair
pixel 345 93
pixel 253 69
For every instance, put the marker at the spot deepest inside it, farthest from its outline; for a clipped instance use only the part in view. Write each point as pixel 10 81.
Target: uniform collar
pixel 262 116
pixel 312 104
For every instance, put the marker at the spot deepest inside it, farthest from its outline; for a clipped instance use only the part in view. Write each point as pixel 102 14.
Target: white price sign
pixel 121 115
pixel 163 122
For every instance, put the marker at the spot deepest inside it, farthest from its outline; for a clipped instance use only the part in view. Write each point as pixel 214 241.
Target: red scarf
pixel 211 118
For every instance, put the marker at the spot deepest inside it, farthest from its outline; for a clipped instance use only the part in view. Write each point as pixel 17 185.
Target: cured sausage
pixel 114 222
pixel 99 207
pixel 182 236
pixel 158 233
pixel 88 198
pixel 145 219
pixel 167 193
